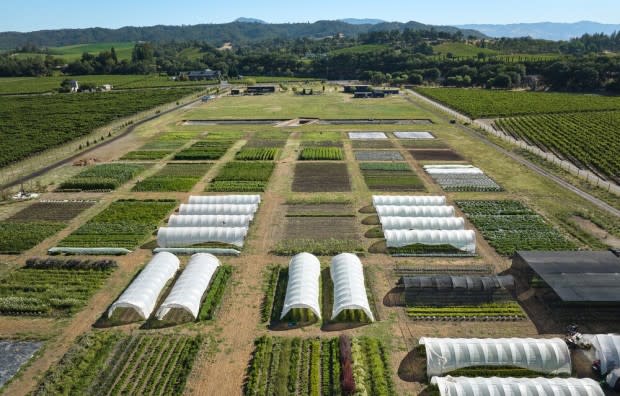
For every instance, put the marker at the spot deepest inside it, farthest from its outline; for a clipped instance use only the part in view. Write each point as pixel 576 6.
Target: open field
pixel 316 206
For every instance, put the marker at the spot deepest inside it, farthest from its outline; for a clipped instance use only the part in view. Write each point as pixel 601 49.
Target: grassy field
pixel 481 103
pixel 73 52
pixel 360 49
pixel 461 50
pixel 287 105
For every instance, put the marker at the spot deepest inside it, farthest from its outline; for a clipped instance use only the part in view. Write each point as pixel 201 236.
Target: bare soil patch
pixel 321 177
pixel 321 228
pixel 435 155
pixel 320 210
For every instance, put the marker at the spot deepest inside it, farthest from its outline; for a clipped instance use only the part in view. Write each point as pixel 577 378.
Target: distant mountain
pixel 216 34
pixel 249 20
pixel 544 30
pixel 364 21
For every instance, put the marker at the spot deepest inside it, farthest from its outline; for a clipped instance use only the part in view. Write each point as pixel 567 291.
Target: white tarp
pixel 367 135
pixel 302 291
pixel 189 288
pixel 460 239
pixel 494 386
pixel 415 211
pixel 209 220
pixel 607 350
pixel 224 199
pixel 170 237
pixel 422 223
pixel 548 356
pixel 218 209
pixel 414 135
pixel 408 200
pixel 349 288
pixel 142 293
pixel 452 169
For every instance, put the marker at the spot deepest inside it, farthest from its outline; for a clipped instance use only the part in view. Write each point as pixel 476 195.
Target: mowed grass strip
pixel 242 176
pixel 174 177
pixel 321 177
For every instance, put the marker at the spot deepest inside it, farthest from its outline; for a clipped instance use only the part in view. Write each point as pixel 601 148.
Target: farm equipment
pixel 22 195
pixel 574 339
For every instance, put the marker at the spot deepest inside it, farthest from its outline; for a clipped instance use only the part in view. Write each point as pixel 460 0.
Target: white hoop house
pixel 548 356
pixel 142 293
pixel 218 209
pixel 422 223
pixel 607 348
pixel 466 386
pixel 408 200
pixel 224 199
pixel 209 221
pixel 304 271
pixel 347 275
pixel 189 288
pixel 171 237
pixel 460 239
pixel 415 211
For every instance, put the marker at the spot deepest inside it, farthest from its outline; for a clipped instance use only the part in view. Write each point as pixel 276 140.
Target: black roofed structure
pixel 576 277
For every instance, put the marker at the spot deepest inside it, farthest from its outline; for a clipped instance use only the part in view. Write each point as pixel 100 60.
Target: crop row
pixel 503 310
pixel 460 183
pixel 321 153
pixel 18 237
pixel 390 176
pixel 211 149
pixel 257 154
pixel 102 177
pixel 215 293
pixel 242 176
pixel 326 247
pixel 51 211
pixel 174 177
pixel 269 287
pixel 146 155
pixel 509 226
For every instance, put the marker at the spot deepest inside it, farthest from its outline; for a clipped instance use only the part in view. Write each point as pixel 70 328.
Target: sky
pixel 32 15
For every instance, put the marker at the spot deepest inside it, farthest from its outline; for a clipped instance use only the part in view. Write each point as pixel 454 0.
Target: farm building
pixel 454 290
pixel 206 74
pixel 347 275
pixel 141 295
pixel 302 291
pixel 546 356
pixel 464 240
pixel 176 237
pixel 580 277
pixel 261 89
pixel 466 386
pixel 186 294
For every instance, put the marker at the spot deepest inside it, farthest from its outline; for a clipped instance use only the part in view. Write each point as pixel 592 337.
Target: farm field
pixel 315 205
pixel 480 103
pixel 105 177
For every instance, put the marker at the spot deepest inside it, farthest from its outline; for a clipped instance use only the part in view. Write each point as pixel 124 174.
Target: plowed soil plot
pixel 52 211
pixel 320 210
pixel 369 155
pixel 372 144
pixel 321 228
pixel 321 177
pixel 435 155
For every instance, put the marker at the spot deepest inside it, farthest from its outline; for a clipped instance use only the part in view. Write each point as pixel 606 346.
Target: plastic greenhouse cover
pixel 188 290
pixel 142 293
pixel 549 356
pixel 460 239
pixel 415 211
pixel 209 220
pixel 302 291
pixel 454 171
pixel 414 135
pixel 422 223
pixel 217 209
pixel 347 276
pixel 224 199
pixel 367 135
pixel 607 348
pixel 494 386
pixel 189 236
pixel 408 200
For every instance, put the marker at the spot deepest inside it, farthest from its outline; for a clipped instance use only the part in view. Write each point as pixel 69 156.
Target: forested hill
pixel 216 34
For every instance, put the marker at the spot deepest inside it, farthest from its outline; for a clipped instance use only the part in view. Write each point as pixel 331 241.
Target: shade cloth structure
pixel 209 220
pixel 422 223
pixel 347 276
pixel 224 199
pixel 415 211
pixel 414 135
pixel 142 293
pixel 466 282
pixel 494 386
pixel 548 356
pixel 461 239
pixel 187 292
pixel 607 349
pixel 218 209
pixel 170 237
pixel 408 200
pixel 302 291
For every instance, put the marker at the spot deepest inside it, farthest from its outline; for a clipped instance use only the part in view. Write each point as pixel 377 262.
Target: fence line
pixel 584 174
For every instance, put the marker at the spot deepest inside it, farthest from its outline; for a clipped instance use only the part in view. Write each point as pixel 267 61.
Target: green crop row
pixel 145 155
pixel 18 237
pixel 257 154
pixel 327 247
pixel 102 177
pixel 174 177
pixel 270 282
pixel 242 176
pixel 213 298
pixel 211 149
pixel 321 153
